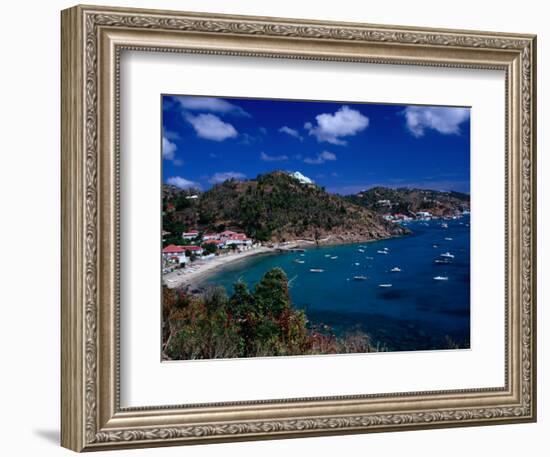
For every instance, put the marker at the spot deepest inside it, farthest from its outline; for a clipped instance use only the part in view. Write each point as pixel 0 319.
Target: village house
pixel 210 236
pixel 197 250
pixel 175 253
pixel 238 239
pixel 190 235
pixel 218 243
pixel 226 234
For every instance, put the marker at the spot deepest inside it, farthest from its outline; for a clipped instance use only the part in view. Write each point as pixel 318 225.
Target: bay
pixel 417 312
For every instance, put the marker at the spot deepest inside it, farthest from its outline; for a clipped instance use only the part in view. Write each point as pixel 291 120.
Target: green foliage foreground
pixel 247 324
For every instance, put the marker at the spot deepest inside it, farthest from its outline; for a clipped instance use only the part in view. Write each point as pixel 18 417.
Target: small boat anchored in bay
pixel 316 270
pixel 395 270
pixel 441 278
pixel 447 255
pixel 360 278
pixel 384 285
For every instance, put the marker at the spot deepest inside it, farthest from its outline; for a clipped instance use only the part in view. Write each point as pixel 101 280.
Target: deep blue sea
pixel 416 313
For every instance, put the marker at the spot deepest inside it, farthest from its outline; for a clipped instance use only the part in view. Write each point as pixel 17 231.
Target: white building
pixel 423 214
pixel 238 239
pixel 302 178
pixel 175 253
pixel 190 235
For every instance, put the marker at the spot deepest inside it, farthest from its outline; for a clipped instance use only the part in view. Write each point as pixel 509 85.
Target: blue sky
pixel 345 147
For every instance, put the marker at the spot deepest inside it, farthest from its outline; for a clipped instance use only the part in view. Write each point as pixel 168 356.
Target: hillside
pixel 410 201
pixel 278 207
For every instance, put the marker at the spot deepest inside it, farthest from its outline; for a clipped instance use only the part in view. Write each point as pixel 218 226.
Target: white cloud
pixel 224 176
pixel 182 183
pixel 211 127
pixel 215 105
pixel 441 119
pixel 267 158
pixel 291 132
pixel 332 127
pixel 169 151
pixel 322 157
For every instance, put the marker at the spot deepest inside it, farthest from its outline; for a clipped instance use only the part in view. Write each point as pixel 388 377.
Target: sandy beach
pixel 199 270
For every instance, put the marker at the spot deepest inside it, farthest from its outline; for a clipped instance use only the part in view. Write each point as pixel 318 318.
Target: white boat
pixel 359 278
pixel 441 278
pixel 448 239
pixel 443 261
pixel 334 257
pixel 382 252
pixel 447 255
pixel 444 225
pixel 384 285
pixel 316 270
pixel 356 264
pixel 299 261
pixel 435 246
pixel 395 270
pixel 327 255
pixel 361 250
pixel 369 258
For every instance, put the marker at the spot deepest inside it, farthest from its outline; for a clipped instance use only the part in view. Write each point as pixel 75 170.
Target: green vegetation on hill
pixel 277 207
pixel 409 201
pixel 254 323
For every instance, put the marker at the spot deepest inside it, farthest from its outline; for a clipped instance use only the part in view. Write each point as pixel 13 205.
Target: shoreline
pixel 201 269
pixel 198 272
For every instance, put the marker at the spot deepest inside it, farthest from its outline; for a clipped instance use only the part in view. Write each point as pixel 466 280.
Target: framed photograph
pixel 275 228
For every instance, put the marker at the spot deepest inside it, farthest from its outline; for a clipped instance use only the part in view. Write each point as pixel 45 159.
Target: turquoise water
pixel 416 313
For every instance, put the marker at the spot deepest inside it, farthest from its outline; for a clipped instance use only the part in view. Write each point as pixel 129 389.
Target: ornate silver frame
pixel 92 40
